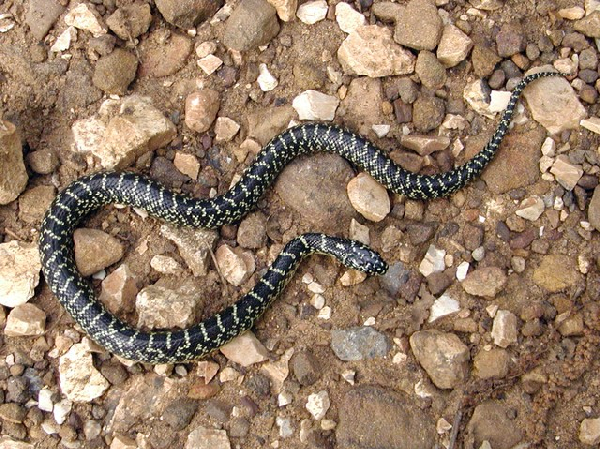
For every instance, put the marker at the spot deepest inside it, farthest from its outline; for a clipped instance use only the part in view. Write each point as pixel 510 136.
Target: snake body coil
pixel 94 191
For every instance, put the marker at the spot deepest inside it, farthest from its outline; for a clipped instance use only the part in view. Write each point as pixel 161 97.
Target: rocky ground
pixel 483 334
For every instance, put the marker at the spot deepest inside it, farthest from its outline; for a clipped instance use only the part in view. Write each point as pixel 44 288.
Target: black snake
pixel 91 192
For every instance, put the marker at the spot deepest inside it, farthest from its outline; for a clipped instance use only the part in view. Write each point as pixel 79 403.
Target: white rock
pixel 79 379
pixel 433 261
pixel 566 66
pixel 531 208
pixel 161 307
pixel 206 48
pixel 324 313
pixel 25 320
pixel 88 134
pixel 370 50
pixel 235 265
pixel 164 264
pixel 348 18
pixel 592 124
pixel 461 271
pixel 573 13
pixel 245 349
pixel 318 404
pixel 278 371
pixel 85 17
pixel 225 129
pixel 206 438
pixel 123 442
pixel 318 301
pixel 62 410
pixel 45 400
pixel 92 429
pixel 504 330
pixel 549 146
pixel 443 306
pixel 380 130
pixel 209 64
pixel 265 80
pixel 454 46
pixel 368 197
pixel 194 245
pixel 352 277
pixel 19 272
pixel 312 12
pixel 284 398
pixel 314 105
pixel 475 94
pixel 566 173
pixel 285 427
pixel 63 42
pixel 545 163
pixel 589 431
pixel 499 101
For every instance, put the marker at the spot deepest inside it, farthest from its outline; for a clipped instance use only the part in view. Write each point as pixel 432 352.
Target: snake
pixel 94 191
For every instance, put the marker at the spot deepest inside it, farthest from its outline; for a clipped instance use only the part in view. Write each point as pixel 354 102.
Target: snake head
pixel 362 258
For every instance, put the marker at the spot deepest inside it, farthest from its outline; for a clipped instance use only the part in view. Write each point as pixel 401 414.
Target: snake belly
pixel 92 192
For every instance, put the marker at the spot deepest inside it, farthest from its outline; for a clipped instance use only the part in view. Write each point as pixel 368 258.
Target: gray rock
pixel 359 343
pixel 42 15
pixel 180 413
pixel 428 113
pixel 490 422
pixel 594 209
pixel 115 72
pixel 509 41
pixel 194 245
pixel 419 25
pixel 252 23
pixel 315 187
pixel 431 71
pixel 130 21
pixel 188 13
pixel 400 423
pixel 43 161
pixel 394 279
pixel 305 368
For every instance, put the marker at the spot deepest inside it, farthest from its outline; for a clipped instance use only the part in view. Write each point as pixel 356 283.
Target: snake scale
pixel 167 346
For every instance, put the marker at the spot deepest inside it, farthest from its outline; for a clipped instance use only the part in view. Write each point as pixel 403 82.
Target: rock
pixel 34 203
pixel 504 331
pixel 264 125
pixel 63 42
pixel 431 72
pixel 25 320
pixel 207 438
pixel 236 266
pixel 123 442
pixel 13 413
pixel 85 17
pixel 443 306
pixel 245 349
pixel 130 21
pixel 252 23
pixel 209 64
pixel 402 424
pixel 352 277
pixel 265 80
pixel 41 16
pixel 594 209
pixel 164 264
pixel 428 113
pixel 194 246
pixel 368 197
pixel 312 12
pixel 592 124
pixel 188 13
pixel 570 326
pixel 491 363
pixel 19 272
pixel 516 164
pixel 163 54
pixel 201 108
pixel 509 41
pixel 442 355
pixel 252 231
pixel 554 104
pixel 396 276
pixel 135 128
pixel 359 343
pixel 115 72
pixel 486 282
pixel 318 404
pixel 187 164
pixel 362 104
pixel 79 379
pixel 433 261
pixel 556 273
pixel 305 368
pixel 348 18
pixel 424 144
pixel 589 431
pixel 95 250
pixel 314 105
pixel 285 427
pixel 454 46
pixel 589 25
pixel 490 423
pixel 13 175
pixel 531 208
pixel 7 442
pixel 370 51
pixel 118 290
pixel 418 25
pixel 315 187
pixel 43 161
pixel 484 60
pixel 161 307
pixel 286 9
pixel 225 129
pixel 567 174
pixel 180 413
